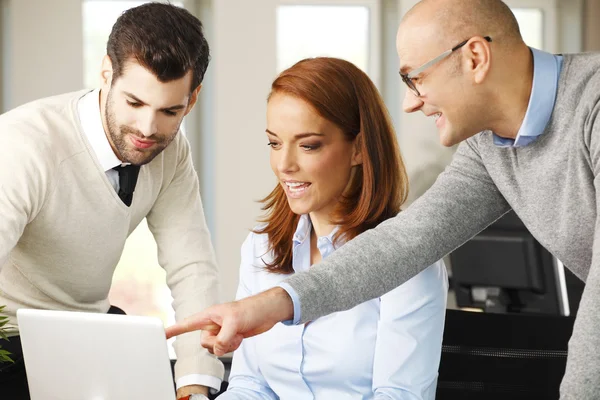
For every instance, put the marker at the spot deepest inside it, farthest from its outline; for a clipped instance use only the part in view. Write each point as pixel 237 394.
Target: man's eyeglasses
pixel 408 78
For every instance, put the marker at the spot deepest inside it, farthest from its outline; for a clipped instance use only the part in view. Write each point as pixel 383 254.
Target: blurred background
pixel 56 46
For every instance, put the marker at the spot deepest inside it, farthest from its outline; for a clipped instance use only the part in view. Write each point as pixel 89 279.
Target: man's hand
pixel 191 389
pixel 225 325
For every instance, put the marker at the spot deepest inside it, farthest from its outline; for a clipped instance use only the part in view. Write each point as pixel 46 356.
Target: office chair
pixel 504 269
pixel 488 356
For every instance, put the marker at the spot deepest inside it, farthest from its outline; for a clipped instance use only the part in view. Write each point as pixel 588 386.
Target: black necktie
pixel 128 175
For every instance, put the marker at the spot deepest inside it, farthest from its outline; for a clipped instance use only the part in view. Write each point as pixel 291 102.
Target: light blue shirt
pixel 385 348
pixel 546 71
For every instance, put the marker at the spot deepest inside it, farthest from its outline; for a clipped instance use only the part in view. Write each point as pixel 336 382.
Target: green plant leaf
pixel 4 354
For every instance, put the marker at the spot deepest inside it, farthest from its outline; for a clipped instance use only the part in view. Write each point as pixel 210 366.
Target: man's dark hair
pixel 165 39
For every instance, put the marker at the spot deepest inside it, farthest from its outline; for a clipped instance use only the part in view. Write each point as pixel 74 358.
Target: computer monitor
pixel 90 356
pixel 504 269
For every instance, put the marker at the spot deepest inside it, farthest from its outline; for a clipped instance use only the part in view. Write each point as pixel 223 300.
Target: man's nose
pixel 147 124
pixel 411 102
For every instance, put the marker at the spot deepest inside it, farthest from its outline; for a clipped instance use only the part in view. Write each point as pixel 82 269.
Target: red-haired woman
pixel 339 173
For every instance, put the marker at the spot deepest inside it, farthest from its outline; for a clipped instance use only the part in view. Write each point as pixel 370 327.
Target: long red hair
pixel 343 94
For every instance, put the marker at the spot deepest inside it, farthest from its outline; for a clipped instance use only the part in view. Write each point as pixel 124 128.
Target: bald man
pixel 526 124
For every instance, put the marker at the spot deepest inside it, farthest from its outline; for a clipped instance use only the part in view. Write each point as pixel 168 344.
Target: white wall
pixel 418 139
pixel 591 31
pixel 42 49
pixel 243 66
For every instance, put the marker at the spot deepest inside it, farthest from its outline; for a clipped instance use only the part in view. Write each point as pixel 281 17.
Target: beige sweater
pixel 63 226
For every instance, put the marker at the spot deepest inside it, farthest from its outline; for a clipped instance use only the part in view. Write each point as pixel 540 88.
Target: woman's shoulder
pixel 256 243
pixel 255 253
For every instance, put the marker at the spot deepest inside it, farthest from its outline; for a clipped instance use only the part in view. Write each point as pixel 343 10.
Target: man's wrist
pixel 198 391
pixel 285 306
pixel 295 317
pixel 195 396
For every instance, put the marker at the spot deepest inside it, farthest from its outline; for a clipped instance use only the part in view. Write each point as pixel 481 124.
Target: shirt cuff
pixel 213 383
pixel 296 300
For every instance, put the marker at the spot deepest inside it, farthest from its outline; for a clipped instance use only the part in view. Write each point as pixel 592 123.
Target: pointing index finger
pixel 192 323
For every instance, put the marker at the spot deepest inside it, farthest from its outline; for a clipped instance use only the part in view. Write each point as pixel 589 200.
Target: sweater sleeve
pixel 461 203
pixel 185 252
pixel 25 179
pixel 582 376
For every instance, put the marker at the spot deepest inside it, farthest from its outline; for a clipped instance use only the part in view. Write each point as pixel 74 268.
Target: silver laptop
pixel 89 356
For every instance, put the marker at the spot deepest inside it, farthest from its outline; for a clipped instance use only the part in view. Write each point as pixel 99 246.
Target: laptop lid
pixel 81 356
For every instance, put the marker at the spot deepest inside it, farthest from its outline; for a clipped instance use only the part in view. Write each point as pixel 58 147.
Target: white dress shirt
pixel 88 108
pixel 385 348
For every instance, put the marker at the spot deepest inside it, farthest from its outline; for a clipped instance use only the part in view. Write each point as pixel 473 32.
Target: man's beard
pixel 125 149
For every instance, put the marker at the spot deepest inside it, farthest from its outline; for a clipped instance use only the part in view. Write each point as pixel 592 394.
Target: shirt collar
pixel 88 108
pixel 546 71
pixel 304 228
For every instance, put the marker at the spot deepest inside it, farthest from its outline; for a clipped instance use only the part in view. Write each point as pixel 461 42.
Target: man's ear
pixel 478 57
pixel 357 150
pixel 193 99
pixel 106 72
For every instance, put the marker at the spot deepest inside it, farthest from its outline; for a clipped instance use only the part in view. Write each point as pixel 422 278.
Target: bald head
pixel 452 21
pixel 446 83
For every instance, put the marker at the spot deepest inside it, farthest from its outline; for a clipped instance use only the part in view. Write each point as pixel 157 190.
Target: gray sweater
pixel 551 186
